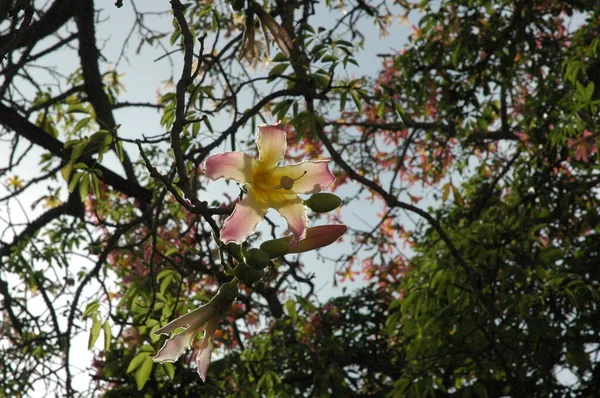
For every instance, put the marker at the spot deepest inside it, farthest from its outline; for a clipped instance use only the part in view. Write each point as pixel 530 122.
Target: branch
pixel 19 35
pixel 57 15
pixel 392 201
pixel 182 85
pixel 502 134
pixel 23 127
pixel 94 87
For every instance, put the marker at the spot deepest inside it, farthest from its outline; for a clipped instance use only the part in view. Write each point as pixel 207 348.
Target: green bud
pixel 256 258
pixel 235 250
pixel 323 202
pixel 247 274
pixel 276 247
pixel 228 292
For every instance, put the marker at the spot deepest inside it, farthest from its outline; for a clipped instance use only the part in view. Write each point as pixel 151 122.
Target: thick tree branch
pixel 94 87
pixel 23 127
pixel 57 15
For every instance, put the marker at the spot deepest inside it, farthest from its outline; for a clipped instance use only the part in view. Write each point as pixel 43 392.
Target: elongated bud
pixel 323 202
pixel 256 258
pixel 320 236
pixel 276 247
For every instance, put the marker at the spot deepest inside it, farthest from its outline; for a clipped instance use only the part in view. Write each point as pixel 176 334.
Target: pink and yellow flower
pixel 268 185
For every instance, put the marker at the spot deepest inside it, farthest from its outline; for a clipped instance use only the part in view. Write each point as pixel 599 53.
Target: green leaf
pixel 356 98
pixel 143 373
pixel 107 335
pixel 66 171
pixel 165 283
pixel 290 306
pixel 95 184
pixel 84 188
pixel 78 108
pixel 380 108
pixel 278 69
pixel 94 332
pixel 137 361
pixel 457 196
pixel 75 180
pixel 81 124
pixel 170 369
pixel 90 309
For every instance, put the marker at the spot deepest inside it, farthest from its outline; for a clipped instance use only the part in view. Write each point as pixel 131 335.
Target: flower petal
pixel 271 142
pixel 175 346
pixel 246 216
pixel 309 176
pixel 295 214
pixel 205 349
pixel 195 319
pixel 231 165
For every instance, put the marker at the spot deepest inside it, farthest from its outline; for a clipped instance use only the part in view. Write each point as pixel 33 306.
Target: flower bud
pixel 323 202
pixel 235 250
pixel 247 274
pixel 227 293
pixel 256 258
pixel 320 236
pixel 276 247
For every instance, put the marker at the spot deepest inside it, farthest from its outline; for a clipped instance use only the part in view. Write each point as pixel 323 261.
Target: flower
pixel 268 185
pixel 204 317
pixel 584 147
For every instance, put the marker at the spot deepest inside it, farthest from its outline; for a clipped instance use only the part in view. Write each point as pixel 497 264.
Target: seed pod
pixel 323 202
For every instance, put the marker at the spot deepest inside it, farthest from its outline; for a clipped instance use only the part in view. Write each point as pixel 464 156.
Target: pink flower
pixel 584 146
pixel 268 185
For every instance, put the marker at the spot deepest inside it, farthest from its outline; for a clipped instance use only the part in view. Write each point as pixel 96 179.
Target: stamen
pixel 287 183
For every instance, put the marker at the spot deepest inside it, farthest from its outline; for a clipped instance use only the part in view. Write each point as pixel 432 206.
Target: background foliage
pixel 475 144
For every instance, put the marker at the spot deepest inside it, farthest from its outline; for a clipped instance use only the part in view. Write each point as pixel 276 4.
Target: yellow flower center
pixel 267 189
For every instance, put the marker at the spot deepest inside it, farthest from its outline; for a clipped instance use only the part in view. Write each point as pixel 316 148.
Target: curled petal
pixel 175 346
pixel 195 319
pixel 281 37
pixel 272 143
pixel 246 216
pixel 249 49
pixel 231 165
pixel 295 214
pixel 205 349
pixel 279 34
pixel 309 177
